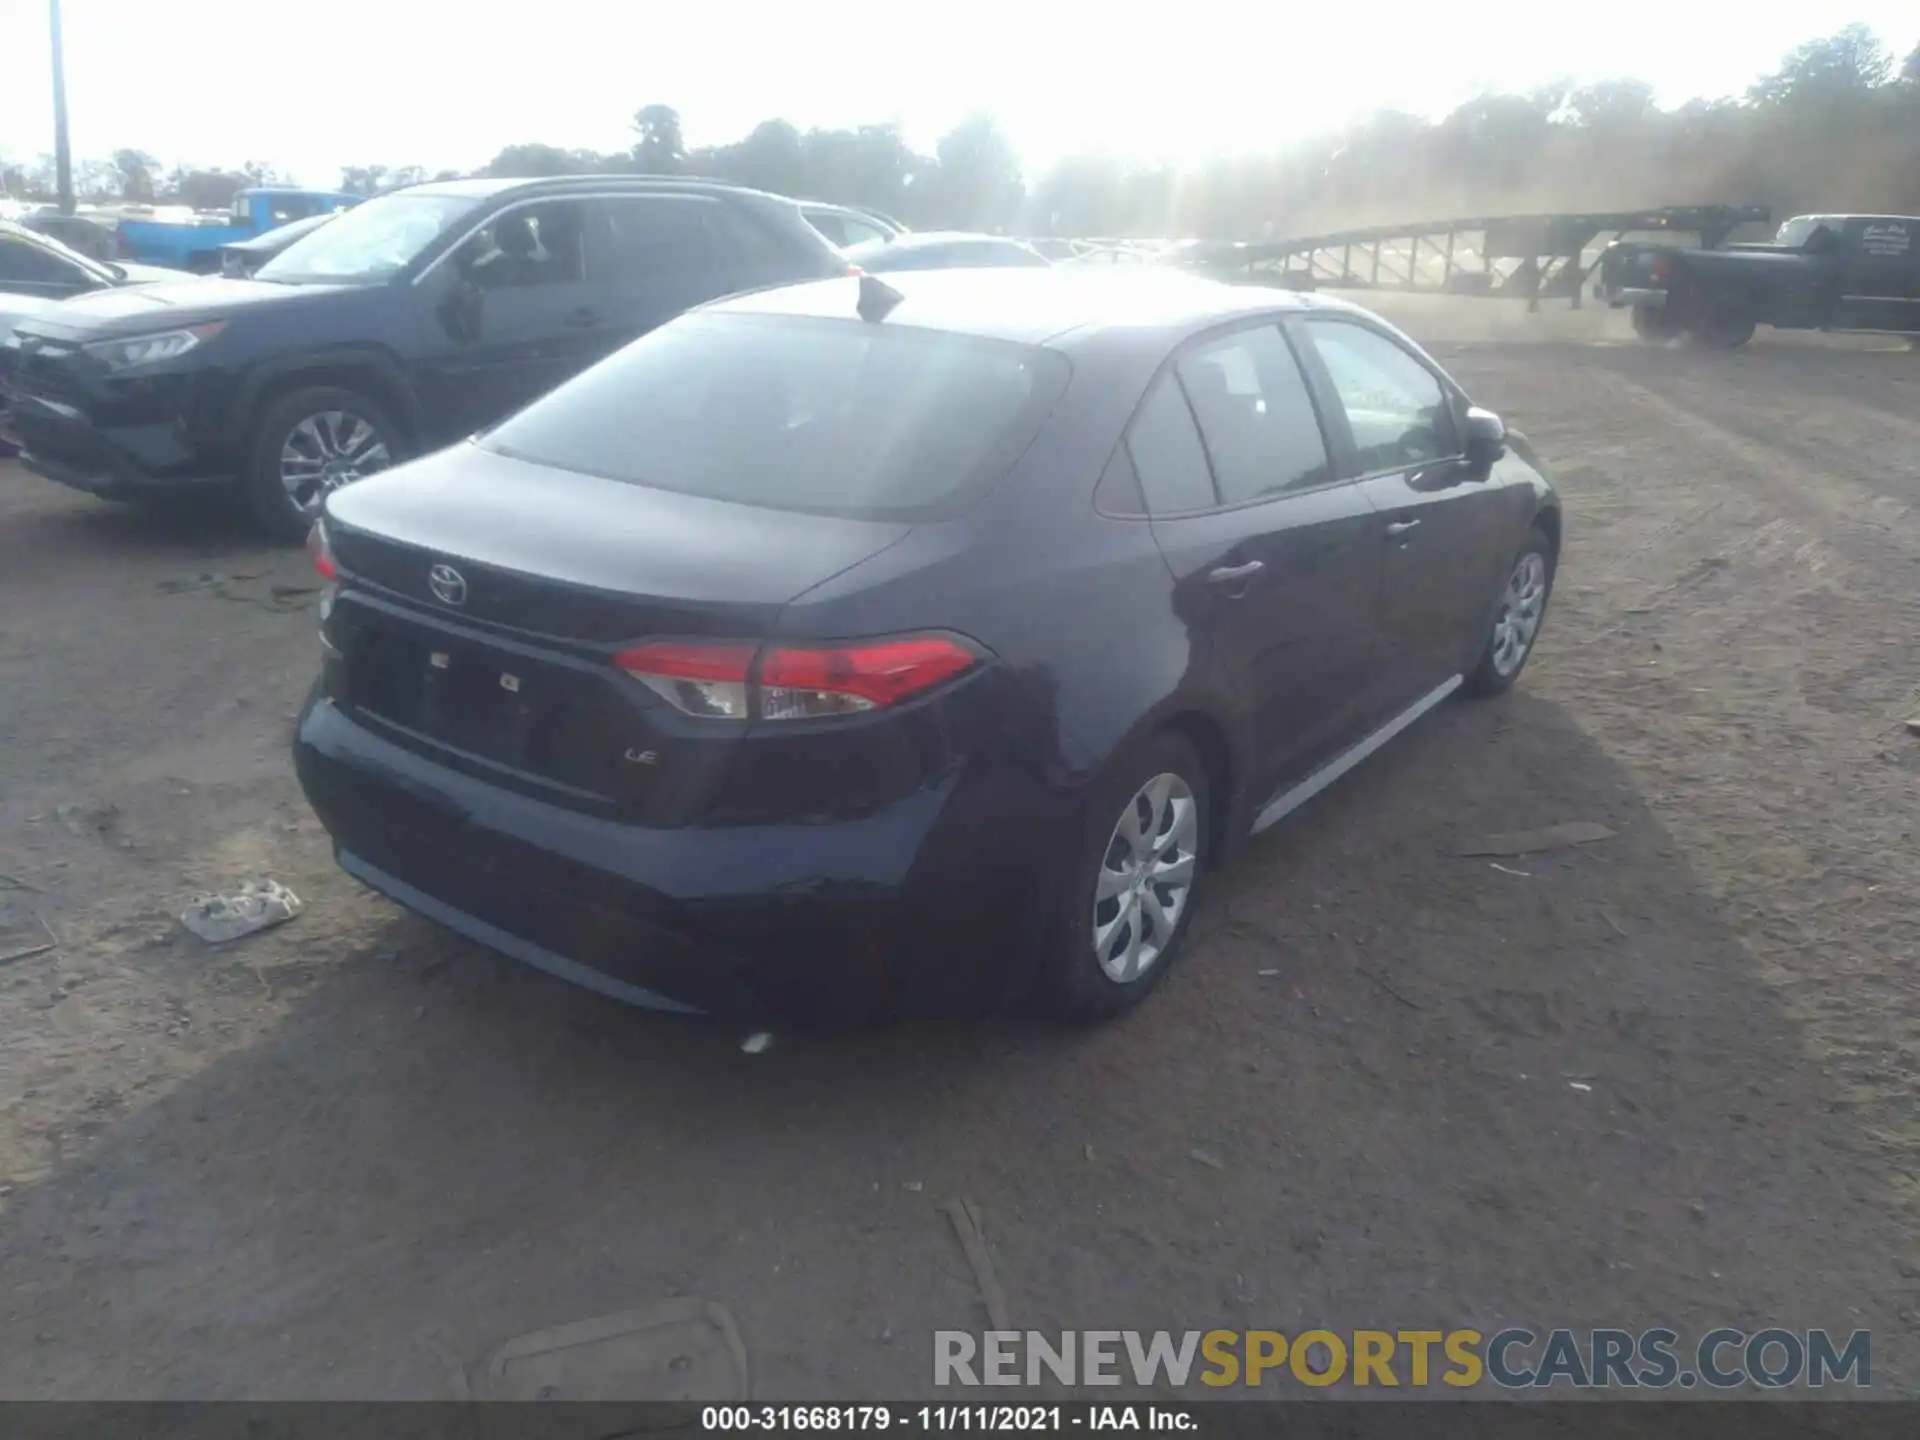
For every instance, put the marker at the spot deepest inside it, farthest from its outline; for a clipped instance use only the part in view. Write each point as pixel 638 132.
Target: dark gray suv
pixel 399 326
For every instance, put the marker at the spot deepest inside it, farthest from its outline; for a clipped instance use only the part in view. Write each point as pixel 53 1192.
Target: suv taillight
pixel 1658 269
pixel 737 680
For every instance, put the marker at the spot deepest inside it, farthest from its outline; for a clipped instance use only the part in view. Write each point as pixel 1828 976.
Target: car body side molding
pixel 1292 799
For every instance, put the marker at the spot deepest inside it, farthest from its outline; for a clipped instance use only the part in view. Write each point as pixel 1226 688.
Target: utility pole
pixel 62 151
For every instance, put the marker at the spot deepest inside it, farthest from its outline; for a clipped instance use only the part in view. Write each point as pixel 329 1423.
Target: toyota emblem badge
pixel 449 586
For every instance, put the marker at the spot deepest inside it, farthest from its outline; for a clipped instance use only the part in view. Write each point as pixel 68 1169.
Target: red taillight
pixel 798 682
pixel 855 270
pixel 720 680
pixel 1659 268
pixel 696 678
pixel 322 553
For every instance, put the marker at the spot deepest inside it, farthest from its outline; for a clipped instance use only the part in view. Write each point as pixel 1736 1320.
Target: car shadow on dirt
pixel 44 518
pixel 1392 1087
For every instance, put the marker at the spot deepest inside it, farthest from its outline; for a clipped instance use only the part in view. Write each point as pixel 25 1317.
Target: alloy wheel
pixel 1521 608
pixel 325 451
pixel 1146 876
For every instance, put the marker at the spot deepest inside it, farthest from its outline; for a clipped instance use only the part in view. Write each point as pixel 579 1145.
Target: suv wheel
pixel 1725 327
pixel 1142 858
pixel 1652 324
pixel 312 441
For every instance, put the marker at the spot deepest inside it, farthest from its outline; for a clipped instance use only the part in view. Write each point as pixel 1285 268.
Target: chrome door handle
pixel 1234 574
pixel 1401 527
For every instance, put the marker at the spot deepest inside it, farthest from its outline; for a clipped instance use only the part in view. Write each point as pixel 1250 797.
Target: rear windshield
pixel 828 417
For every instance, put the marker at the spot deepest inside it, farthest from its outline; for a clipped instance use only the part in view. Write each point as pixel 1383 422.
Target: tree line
pixel 1835 127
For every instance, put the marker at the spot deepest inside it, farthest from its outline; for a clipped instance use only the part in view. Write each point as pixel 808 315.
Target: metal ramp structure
pixel 1530 257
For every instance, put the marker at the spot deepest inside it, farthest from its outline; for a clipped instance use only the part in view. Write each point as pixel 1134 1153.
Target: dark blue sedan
pixel 868 645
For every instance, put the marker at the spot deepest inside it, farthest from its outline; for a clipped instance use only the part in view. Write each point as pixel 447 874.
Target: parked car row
pixel 95 236
pixel 368 334
pixel 240 258
pixel 856 643
pixel 943 250
pixel 196 243
pixel 36 264
pixel 391 329
pixel 37 271
pixel 846 225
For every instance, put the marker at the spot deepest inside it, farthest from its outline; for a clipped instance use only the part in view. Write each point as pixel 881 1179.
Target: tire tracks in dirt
pixel 1745 593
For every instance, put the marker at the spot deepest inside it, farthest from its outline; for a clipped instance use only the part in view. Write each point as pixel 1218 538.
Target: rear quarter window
pixel 634 239
pixel 832 417
pixel 1168 457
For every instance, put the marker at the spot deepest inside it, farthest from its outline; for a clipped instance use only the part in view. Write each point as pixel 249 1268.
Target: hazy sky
pixel 310 85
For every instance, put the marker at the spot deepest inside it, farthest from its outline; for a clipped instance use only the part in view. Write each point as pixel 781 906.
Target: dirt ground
pixel 352 1156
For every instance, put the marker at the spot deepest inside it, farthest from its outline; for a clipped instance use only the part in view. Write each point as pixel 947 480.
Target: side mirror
pixel 1486 437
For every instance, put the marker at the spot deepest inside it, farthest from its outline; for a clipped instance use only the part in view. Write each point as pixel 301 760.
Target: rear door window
pixel 641 239
pixel 1255 415
pixel 833 417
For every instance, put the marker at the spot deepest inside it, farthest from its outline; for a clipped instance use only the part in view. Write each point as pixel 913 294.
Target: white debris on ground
pixel 255 906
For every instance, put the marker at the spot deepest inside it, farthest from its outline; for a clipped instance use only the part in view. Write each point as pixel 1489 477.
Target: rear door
pixel 1275 557
pixel 1398 429
pixel 655 256
pixel 1880 274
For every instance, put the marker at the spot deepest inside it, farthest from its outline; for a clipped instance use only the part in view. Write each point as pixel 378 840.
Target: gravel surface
pixel 1662 1078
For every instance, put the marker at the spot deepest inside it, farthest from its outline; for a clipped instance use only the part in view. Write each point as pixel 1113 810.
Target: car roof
pixel 1142 304
pixel 486 187
pixel 1827 218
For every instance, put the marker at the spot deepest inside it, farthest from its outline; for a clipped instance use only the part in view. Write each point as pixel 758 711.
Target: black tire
pixel 276 509
pixel 1075 985
pixel 1495 671
pixel 1726 327
pixel 1652 324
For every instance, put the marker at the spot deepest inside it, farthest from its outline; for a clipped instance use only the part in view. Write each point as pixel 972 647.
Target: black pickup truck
pixel 1821 272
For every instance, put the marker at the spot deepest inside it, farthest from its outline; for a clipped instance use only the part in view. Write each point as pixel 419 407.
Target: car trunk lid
pixel 485 597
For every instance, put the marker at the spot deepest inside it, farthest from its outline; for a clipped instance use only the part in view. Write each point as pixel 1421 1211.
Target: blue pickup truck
pixel 194 245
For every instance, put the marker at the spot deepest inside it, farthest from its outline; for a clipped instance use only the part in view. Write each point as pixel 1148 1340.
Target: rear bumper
pixel 1621 296
pixel 896 911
